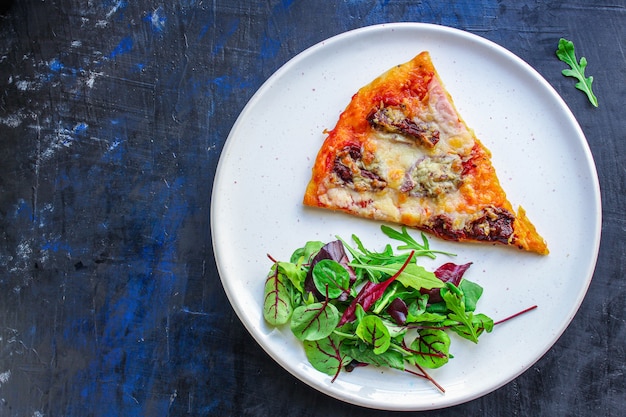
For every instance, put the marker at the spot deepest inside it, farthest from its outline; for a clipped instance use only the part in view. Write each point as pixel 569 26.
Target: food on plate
pixel 400 152
pixel 353 307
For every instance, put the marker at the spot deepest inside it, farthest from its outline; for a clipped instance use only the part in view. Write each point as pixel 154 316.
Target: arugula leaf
pixel 455 301
pixel 422 249
pixel 567 54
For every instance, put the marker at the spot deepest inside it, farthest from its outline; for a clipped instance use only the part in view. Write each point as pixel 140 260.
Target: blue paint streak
pixel 156 20
pixel 227 84
pixel 125 46
pixel 133 319
pixel 115 153
pixel 270 48
pixel 23 211
pixel 221 41
pixel 56 246
pixel 80 128
pixel 55 65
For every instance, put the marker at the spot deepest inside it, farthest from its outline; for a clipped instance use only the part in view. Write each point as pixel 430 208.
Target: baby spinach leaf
pixel 373 331
pixel 330 276
pixel 472 293
pixel 315 321
pixel 334 251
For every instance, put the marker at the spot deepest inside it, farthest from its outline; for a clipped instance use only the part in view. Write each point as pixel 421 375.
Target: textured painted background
pixel 113 114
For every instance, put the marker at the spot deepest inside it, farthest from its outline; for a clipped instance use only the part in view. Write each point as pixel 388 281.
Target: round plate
pixel 540 155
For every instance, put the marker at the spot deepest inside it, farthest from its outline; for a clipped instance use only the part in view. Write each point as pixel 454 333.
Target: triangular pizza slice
pixel 401 153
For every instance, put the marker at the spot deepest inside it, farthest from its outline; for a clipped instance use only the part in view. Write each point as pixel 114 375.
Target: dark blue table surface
pixel 113 114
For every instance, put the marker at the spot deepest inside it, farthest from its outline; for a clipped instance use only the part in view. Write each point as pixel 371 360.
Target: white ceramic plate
pixel 539 152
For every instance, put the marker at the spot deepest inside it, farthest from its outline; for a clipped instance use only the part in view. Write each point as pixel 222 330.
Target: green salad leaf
pixel 567 54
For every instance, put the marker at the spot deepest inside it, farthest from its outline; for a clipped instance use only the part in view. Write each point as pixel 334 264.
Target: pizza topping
pixel 350 169
pixel 394 120
pixel 491 224
pixel 496 224
pixel 434 176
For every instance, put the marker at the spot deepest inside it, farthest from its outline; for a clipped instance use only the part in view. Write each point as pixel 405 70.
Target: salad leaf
pixel 411 275
pixel 293 273
pixel 314 321
pixel 390 358
pixel 277 307
pixel 304 254
pixel 333 251
pixel 472 293
pixel 369 294
pixel 373 331
pixel 398 310
pixel 567 54
pixel 422 249
pixel 455 301
pixel 326 355
pixel 329 275
pixel 432 348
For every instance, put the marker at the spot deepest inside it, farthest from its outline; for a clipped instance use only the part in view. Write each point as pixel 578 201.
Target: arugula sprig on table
pixel 567 54
pixel 377 308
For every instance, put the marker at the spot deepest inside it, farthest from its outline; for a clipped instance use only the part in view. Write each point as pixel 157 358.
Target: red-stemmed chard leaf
pixel 325 355
pixel 448 272
pixel 370 293
pixel 277 308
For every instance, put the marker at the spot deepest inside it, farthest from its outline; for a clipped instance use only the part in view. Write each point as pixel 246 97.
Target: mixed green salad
pixel 351 306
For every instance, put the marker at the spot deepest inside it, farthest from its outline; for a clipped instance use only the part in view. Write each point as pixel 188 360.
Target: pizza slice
pixel 401 153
